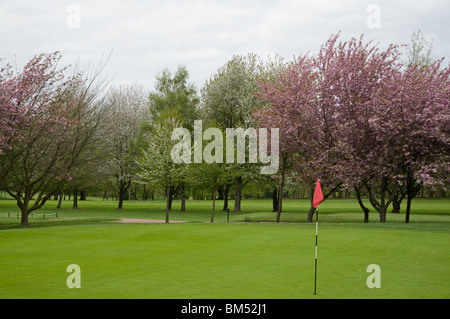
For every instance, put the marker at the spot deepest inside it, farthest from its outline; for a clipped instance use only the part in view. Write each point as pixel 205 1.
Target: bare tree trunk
pixel 171 196
pixel 60 200
pixel 123 187
pixel 168 202
pixel 214 204
pixel 274 200
pixel 121 196
pixel 383 214
pixel 361 204
pixel 75 199
pixel 24 216
pixel 311 208
pixel 311 214
pixel 225 197
pixel 280 192
pixel 144 193
pixel 83 194
pixel 411 191
pixel 382 205
pixel 408 208
pixel 396 205
pixel 280 195
pixel 220 192
pixel 237 199
pixel 183 199
pixel 397 199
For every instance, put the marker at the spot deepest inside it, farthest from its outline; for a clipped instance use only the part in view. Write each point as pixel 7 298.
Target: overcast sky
pixel 147 36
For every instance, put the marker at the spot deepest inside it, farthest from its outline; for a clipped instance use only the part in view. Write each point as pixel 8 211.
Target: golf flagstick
pixel 315 266
pixel 317 199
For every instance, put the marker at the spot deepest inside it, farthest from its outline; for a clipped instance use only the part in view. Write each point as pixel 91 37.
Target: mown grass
pixel 256 259
pixel 244 260
pixel 331 211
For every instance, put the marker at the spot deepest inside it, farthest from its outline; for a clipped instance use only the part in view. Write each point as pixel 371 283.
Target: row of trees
pixel 355 116
pixel 358 117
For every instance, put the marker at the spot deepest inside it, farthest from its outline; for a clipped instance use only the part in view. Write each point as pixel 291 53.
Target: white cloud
pixel 148 36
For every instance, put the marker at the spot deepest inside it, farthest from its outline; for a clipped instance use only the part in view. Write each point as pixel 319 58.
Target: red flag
pixel 318 196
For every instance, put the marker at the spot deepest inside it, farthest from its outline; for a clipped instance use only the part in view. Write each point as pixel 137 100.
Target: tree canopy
pixel 354 115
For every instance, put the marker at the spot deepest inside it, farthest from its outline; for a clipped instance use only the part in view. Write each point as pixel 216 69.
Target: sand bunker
pixel 145 221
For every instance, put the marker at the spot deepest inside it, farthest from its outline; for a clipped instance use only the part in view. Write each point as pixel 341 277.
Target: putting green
pixel 245 260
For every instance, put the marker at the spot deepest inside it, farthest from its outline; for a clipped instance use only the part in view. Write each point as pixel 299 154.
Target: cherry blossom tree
pixel 351 73
pixel 354 115
pixel 290 96
pixel 10 117
pixel 411 115
pixel 46 130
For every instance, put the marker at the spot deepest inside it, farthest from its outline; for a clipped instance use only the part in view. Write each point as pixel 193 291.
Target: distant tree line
pixel 367 122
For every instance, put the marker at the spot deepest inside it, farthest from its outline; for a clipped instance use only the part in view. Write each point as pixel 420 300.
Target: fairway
pixel 236 260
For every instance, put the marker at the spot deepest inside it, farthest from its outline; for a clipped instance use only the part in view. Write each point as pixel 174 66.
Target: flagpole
pixel 315 266
pixel 317 199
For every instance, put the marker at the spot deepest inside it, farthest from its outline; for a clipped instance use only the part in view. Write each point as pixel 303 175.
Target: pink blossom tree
pixel 351 74
pixel 46 129
pixel 9 117
pixel 319 103
pixel 411 115
pixel 354 115
pixel 289 97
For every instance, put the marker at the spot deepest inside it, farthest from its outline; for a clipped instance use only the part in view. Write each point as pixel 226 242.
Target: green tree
pixel 175 92
pixel 210 173
pixel 155 162
pixel 228 98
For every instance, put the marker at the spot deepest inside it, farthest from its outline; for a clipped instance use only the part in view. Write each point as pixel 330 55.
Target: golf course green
pixel 251 257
